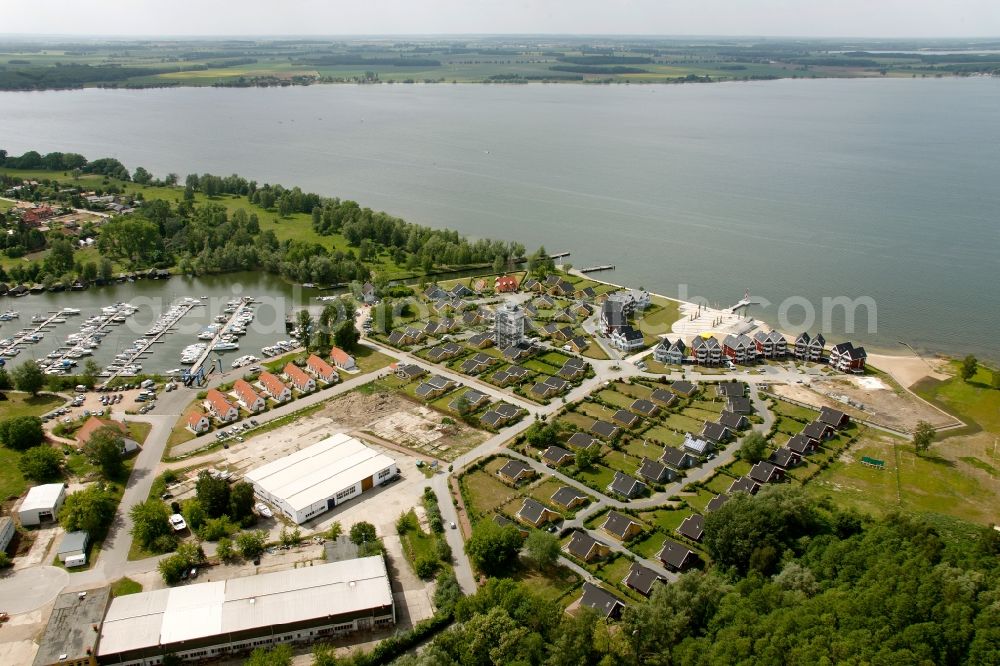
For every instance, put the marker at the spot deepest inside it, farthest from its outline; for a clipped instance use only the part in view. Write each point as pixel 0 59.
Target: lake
pixel 795 189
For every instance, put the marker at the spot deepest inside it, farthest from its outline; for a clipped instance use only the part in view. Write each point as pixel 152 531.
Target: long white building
pixel 212 620
pixel 319 477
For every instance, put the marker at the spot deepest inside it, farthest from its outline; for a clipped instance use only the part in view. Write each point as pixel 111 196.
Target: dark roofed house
pixel 585 547
pixel 481 340
pixel 743 485
pixel 801 444
pixel 663 397
pixel 732 389
pixel 604 430
pixel 518 351
pixel 785 458
pixel 655 471
pixel 641 579
pixel 473 400
pixel 833 417
pixel 848 358
pixel 434 387
pixel 507 410
pixel 568 497
pixel 765 472
pixel 556 455
pixel 733 421
pixel 818 430
pixel 716 432
pixel 644 408
pixel 548 388
pixel 739 405
pixel 676 557
pixel 684 388
pixel 621 526
pixel 716 502
pixel 696 445
pixel 409 371
pixel 572 371
pixel 492 419
pixel 476 365
pixel 626 486
pixel 578 343
pixel 608 605
pixel 627 419
pixel 677 458
pixel 461 291
pixel 444 352
pixel 535 513
pixel 515 471
pixel 693 527
pixel 581 440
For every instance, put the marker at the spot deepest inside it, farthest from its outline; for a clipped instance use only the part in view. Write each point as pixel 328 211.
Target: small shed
pixel 73 548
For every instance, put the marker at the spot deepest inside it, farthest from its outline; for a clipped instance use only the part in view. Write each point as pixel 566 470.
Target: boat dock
pixel 245 306
pixel 31 335
pixel 155 335
pixel 595 269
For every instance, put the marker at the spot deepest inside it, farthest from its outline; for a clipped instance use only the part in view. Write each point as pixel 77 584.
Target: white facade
pixel 6 531
pixel 508 326
pixel 42 504
pixel 319 477
pixel 210 620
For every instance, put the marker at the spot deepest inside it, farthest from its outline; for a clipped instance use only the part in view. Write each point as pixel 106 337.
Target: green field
pixel 975 402
pixel 12 483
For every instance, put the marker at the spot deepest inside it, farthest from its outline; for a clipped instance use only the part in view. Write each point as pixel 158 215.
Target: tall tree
pixel 923 436
pixel 347 336
pixel 753 448
pixel 41 463
pixel 493 548
pixel 21 432
pixel 104 449
pixel 970 364
pixel 150 521
pixel 213 494
pixel 29 377
pixel 91 509
pixel 542 548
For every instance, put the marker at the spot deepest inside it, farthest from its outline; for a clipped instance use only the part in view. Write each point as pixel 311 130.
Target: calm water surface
pixel 809 189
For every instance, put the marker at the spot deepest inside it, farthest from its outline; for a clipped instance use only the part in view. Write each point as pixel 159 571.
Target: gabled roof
pixel 683 387
pixel 604 430
pixel 663 396
pixel 801 444
pixel 626 418
pixel 245 392
pixel 716 502
pixel 492 418
pixel 623 484
pixel 644 407
pixel 194 419
pixel 503 521
pixel 339 356
pixel 699 446
pixel 630 334
pixel 833 417
pixel 507 410
pixel 732 420
pixel 321 367
pixel 272 384
pixel 676 457
pixel 739 405
pixel 566 495
pixel 296 374
pixel 817 430
pixel 732 389
pixel 764 472
pixel 556 455
pixel 514 468
pixel 581 440
pixel 618 524
pixel 218 401
pixel 674 554
pixel 715 432
pixel 602 601
pixel 692 527
pixel 411 370
pixel 652 470
pixel 582 544
pixel 743 485
pixel 641 578
pixel 557 383
pixel 784 457
pixel 532 510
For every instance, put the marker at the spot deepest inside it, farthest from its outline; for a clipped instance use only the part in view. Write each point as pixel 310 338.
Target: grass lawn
pixel 649 547
pixel 667 520
pixel 664 435
pixel 138 430
pixel 418 544
pixel 634 391
pixel 368 360
pixel 657 319
pixel 551 584
pixel 918 484
pixel 975 402
pixel 783 408
pixel 486 492
pixel 684 423
pixel 597 477
pixel 615 398
pixel 718 484
pixel 180 433
pixel 12 483
pixel 544 491
pixel 124 586
pixel 699 501
pixel 594 351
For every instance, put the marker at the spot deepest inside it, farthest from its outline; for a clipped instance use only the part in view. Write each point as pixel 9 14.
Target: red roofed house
pixel 198 424
pixel 505 283
pixel 274 387
pixel 322 369
pixel 299 378
pixel 93 424
pixel 342 359
pixel 218 406
pixel 249 399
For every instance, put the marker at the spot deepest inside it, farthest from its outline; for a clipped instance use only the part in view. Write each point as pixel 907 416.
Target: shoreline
pixel 907 369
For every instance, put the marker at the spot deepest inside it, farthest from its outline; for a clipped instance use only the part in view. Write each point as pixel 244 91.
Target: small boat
pixel 225 346
pixel 70 311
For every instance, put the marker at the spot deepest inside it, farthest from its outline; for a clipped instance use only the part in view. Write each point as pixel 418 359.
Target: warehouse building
pixel 212 620
pixel 42 504
pixel 319 477
pixel 71 635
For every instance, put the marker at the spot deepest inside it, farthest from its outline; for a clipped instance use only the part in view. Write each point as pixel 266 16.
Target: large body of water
pixel 793 189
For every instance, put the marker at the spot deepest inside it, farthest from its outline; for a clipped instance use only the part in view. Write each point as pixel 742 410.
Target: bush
pixel 443 550
pixel 406 522
pixel 426 566
pixel 41 463
pixel 251 544
pixel 21 432
pixel 217 528
pixel 224 551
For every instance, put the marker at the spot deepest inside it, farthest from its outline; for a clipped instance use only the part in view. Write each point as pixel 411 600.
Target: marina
pixel 127 362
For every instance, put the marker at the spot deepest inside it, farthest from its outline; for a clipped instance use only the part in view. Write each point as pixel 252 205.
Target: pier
pixel 177 311
pixel 246 304
pixel 595 269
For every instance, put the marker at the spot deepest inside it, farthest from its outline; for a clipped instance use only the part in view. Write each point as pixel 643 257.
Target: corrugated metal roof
pixel 202 610
pixel 317 472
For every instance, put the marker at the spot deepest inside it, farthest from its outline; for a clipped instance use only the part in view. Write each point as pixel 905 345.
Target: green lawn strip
pixel 614 398
pixel 667 520
pixel 633 391
pixel 664 435
pixel 718 484
pixel 974 401
pixel 124 586
pixel 803 414
pixel 597 477
pixel 648 547
pixel 486 493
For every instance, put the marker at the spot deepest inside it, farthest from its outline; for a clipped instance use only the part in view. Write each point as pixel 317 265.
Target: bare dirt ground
pixel 908 370
pixel 879 401
pixel 402 422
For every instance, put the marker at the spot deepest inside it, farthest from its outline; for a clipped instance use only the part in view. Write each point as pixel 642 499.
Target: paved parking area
pixel 28 589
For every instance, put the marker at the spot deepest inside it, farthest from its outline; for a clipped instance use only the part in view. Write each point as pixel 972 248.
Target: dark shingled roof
pixel 581 440
pixel 566 496
pixel 581 544
pixel 513 468
pixel 604 430
pixel 641 579
pixel 716 502
pixel 605 603
pixel 617 524
pixel 744 485
pixel 674 555
pixel 693 527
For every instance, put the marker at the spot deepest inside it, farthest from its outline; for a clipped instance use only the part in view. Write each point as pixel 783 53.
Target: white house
pixel 42 503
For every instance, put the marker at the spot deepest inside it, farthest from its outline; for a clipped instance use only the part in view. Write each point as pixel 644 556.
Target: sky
pixel 779 18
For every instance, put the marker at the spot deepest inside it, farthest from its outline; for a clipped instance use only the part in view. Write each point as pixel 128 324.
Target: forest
pixel 201 234
pixel 793 581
